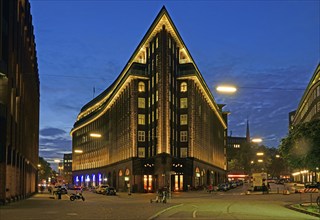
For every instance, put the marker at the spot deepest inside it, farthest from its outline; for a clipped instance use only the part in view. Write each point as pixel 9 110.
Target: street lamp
pixel 78 151
pixel 256 140
pixel 226 89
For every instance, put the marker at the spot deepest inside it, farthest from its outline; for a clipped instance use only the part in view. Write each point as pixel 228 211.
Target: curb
pixel 162 211
pixel 302 211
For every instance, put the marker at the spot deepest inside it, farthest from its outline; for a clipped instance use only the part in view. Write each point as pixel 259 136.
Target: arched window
pixel 183 87
pixel 141 87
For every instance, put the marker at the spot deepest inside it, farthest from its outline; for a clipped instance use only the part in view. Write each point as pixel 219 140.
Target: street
pixel 233 204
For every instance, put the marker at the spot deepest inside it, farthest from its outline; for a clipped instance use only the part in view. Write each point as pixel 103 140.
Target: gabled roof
pixel 163 19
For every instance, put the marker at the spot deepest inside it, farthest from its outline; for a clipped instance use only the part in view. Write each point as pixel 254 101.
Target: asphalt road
pixel 233 204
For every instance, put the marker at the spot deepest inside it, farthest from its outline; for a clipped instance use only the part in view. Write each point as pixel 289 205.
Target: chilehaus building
pixel 19 102
pixel 157 125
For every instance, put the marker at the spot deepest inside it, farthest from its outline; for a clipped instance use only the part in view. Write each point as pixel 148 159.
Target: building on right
pixel 308 110
pixel 309 106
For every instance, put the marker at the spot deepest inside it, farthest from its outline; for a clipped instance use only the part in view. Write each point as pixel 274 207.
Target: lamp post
pixel 226 89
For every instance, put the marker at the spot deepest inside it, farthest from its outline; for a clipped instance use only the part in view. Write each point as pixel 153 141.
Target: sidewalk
pixel 309 209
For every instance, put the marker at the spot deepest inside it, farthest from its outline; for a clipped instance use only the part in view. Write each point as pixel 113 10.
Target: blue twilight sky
pixel 269 49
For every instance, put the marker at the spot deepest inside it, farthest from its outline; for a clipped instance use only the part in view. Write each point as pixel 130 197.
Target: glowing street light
pixel 277 156
pixel 57 161
pixel 226 89
pixel 95 135
pixel 260 161
pixel 256 140
pixel 260 154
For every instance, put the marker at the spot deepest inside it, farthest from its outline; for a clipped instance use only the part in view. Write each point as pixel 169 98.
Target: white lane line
pixel 194 214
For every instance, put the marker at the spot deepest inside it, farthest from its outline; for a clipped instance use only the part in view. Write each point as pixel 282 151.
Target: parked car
pixel 313 185
pixel 222 187
pixel 101 188
pixel 61 189
pixel 110 191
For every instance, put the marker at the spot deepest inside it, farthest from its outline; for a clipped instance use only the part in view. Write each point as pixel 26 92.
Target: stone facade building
pixel 19 102
pixel 156 126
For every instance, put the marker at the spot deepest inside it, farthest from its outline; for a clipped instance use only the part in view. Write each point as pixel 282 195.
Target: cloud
pixel 51 132
pixel 54 143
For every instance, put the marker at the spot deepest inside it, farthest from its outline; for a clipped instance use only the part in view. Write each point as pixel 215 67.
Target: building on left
pixel 19 102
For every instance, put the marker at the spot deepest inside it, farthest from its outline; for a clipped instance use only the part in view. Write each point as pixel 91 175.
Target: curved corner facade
pixel 19 102
pixel 309 106
pixel 156 126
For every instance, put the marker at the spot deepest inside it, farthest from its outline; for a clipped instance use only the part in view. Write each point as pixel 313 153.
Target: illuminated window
pixel 183 119
pixel 183 87
pixel 183 103
pixel 183 136
pixel 236 146
pixel 141 152
pixel 156 42
pixel 141 136
pixel 141 119
pixel 141 103
pixel 183 152
pixel 141 87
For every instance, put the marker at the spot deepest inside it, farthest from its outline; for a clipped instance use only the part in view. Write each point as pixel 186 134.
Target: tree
pixel 45 170
pixel 301 148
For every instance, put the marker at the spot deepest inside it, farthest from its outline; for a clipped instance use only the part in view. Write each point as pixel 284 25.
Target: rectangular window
pixel 183 103
pixel 141 119
pixel 183 152
pixel 183 119
pixel 157 114
pixel 141 103
pixel 141 136
pixel 183 136
pixel 141 152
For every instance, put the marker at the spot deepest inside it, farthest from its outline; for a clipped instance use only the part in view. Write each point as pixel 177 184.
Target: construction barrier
pixel 311 190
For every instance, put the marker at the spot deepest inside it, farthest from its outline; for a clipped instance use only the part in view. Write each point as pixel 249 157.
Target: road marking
pixel 194 214
pixel 167 209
